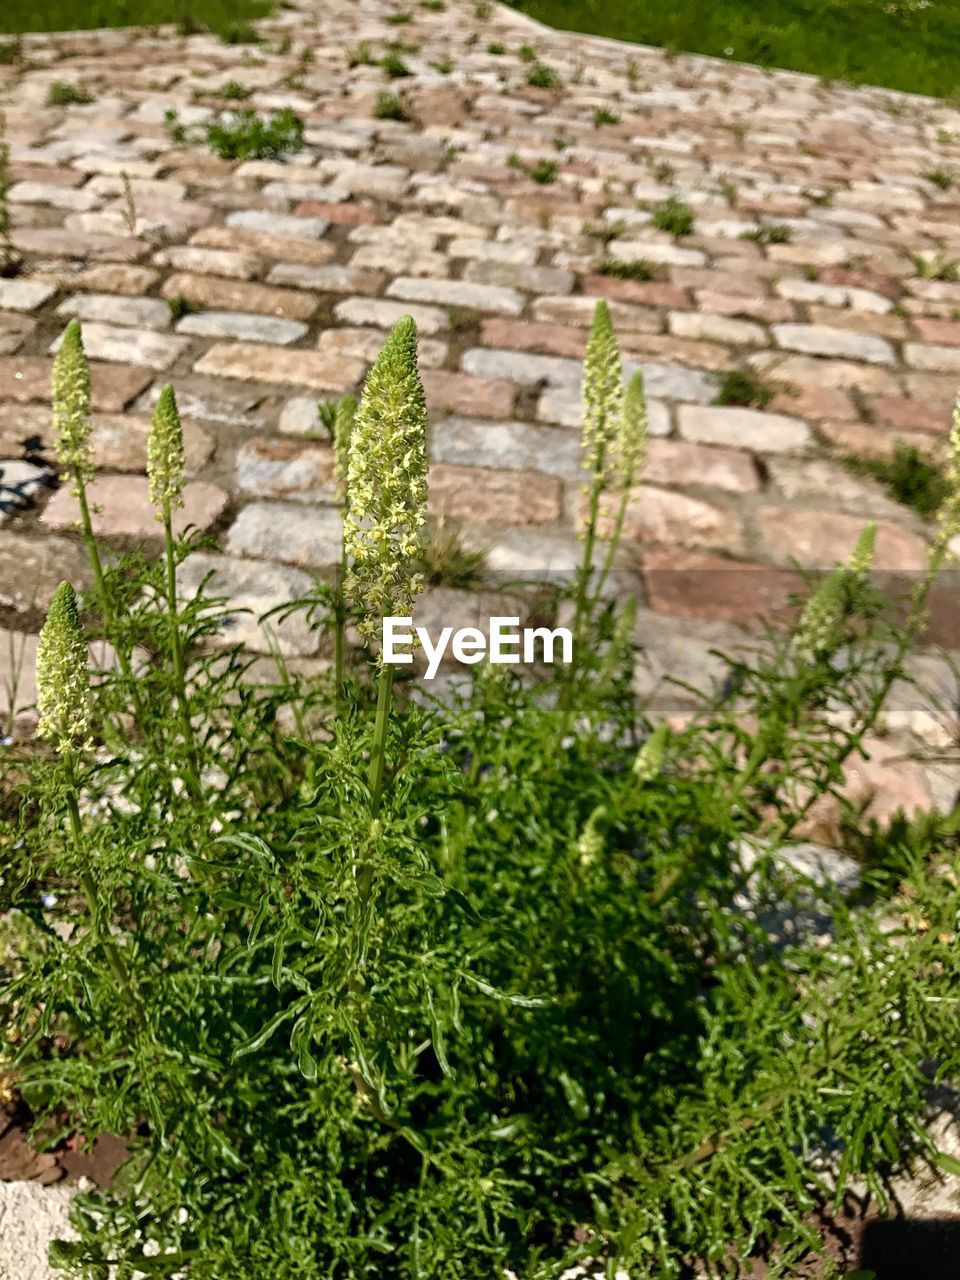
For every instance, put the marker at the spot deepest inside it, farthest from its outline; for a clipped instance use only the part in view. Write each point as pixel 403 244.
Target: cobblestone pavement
pixel 821 259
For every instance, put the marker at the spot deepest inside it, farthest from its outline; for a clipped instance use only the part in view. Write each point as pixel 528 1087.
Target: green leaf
pixel 526 1002
pixel 575 1095
pixel 267 1030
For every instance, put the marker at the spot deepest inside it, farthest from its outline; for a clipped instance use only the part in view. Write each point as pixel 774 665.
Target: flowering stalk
pixel 386 512
pixel 65 720
pixel 630 447
pixel 70 395
pixel 342 431
pixel 165 463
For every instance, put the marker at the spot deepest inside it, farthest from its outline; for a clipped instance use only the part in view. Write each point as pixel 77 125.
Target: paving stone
pixel 508 275
pixel 564 406
pixel 14 330
pixel 277 224
pixel 308 536
pixel 141 347
pixel 242 325
pixel 818 340
pixel 147 313
pixel 119 442
pixel 518 445
pixel 292 248
pixel 24 295
pixel 298 417
pixel 819 539
pixel 384 314
pixel 270 468
pixel 675 462
pixel 122 508
pixel 483 493
pixel 332 278
pixel 457 293
pixel 253 588
pixel 366 344
pixel 448 392
pixel 743 428
pixel 655 515
pixel 99 247
pixel 31 569
pixel 211 262
pixel 112 387
pixel 689 584
pixel 260 363
pixel 941 359
pixel 694 324
pixel 216 294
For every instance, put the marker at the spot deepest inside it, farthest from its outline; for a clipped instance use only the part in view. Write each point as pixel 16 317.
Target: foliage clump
pixel 243 134
pixel 909 476
pixel 376 982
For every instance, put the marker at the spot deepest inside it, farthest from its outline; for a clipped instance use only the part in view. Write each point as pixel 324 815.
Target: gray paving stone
pixel 243 326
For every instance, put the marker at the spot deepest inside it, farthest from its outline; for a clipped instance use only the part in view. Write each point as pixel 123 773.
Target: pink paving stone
pixel 53 241
pixel 484 494
pixel 449 392
pixel 762 307
pixel 663 516
pixel 818 539
pixel 534 335
pixel 676 462
pixel 942 332
pixel 314 253
pixel 688 584
pixel 125 510
pixel 648 294
pixel 869 440
pixel 258 362
pixel 911 415
pixel 112 386
pixel 347 215
pixel 887 285
pixel 217 294
pixel 814 403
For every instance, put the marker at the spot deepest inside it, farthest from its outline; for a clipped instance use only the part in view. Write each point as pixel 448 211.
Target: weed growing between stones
pixel 63 94
pixel 909 476
pixel 375 985
pixel 742 387
pixel 242 135
pixel 674 217
pixel 389 106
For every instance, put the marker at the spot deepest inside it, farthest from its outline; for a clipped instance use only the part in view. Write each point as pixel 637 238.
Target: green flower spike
pixel 649 759
pixel 601 390
pixel 342 431
pixel 63 680
pixel 387 483
pixel 165 453
pixel 71 404
pixel 632 430
pixel 861 558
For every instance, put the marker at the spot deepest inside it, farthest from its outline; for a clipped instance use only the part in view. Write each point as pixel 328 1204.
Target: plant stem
pixel 378 754
pixel 113 957
pixel 176 653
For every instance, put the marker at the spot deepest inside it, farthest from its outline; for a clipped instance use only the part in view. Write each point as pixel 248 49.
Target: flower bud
pixel 165 460
pixel 601 389
pixel 71 403
pixel 63 679
pixel 387 484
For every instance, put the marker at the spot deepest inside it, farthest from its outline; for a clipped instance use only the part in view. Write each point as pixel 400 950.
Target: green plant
pixel 244 135
pixel 435 6
pixel 361 56
pixel 234 91
pixel 542 171
pixel 674 217
pixel 483 9
pixel 444 66
pixel 774 233
pixel 603 116
pixel 940 178
pixel 6 246
pixel 239 33
pixel 540 76
pixel 527 53
pixel 179 306
pixel 631 269
pixel 129 204
pixel 909 476
pixel 397 19
pixel 939 267
pixel 61 93
pixel 11 51
pixel 496 49
pixel 388 106
pixel 742 387
pixel 452 986
pixel 394 66
pixel 445 561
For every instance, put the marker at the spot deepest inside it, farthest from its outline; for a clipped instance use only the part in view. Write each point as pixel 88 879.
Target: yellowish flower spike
pixel 632 430
pixel 861 558
pixel 649 759
pixel 63 679
pixel 71 403
pixel 342 430
pixel 387 484
pixel 601 390
pixel 165 459
pixel 949 513
pixel 820 627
